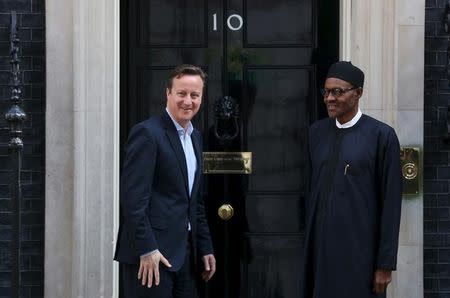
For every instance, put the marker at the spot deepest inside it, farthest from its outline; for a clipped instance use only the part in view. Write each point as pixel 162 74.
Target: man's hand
pixel 381 279
pixel 149 268
pixel 210 266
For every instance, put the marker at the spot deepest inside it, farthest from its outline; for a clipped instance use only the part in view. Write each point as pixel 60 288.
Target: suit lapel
pixel 174 139
pixel 197 149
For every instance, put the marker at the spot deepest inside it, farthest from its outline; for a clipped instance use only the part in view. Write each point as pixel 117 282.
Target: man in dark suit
pixel 164 230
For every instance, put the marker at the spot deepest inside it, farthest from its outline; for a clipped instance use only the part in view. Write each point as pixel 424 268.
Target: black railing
pixel 15 117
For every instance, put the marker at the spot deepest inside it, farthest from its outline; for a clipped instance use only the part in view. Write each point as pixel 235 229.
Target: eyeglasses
pixel 336 92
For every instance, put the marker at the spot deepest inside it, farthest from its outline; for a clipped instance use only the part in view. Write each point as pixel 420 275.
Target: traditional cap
pixel 346 71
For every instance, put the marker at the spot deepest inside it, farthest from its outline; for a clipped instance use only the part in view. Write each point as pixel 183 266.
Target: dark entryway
pixel 270 56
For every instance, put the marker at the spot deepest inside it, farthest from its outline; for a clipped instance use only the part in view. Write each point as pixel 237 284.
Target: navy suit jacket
pixel 155 202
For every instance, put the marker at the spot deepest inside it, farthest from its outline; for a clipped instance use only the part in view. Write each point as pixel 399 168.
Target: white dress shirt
pixel 188 148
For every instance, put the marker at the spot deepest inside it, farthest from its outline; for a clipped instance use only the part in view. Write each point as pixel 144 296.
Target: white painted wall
pixel 59 150
pixel 387 42
pixel 82 155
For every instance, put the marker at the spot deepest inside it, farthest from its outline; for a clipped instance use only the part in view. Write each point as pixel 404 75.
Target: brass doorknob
pixel 225 211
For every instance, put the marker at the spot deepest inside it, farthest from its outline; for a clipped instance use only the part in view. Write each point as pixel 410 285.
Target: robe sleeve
pixel 390 186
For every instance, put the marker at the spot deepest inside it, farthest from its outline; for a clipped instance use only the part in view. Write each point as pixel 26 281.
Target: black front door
pixel 270 56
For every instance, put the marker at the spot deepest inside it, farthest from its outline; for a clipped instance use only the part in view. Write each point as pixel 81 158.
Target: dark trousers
pixel 172 284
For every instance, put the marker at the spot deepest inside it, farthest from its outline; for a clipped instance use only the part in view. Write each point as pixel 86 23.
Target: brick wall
pixel 31 16
pixel 436 156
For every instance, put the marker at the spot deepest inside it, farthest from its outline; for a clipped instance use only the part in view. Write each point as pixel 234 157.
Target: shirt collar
pixel 351 122
pixel 180 129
